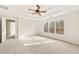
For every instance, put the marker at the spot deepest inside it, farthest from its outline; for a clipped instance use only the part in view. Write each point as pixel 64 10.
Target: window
pixel 46 27
pixel 56 27
pixel 60 27
pixel 51 27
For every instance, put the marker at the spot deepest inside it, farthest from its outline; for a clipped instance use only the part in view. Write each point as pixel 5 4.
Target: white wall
pixel 26 27
pixel 72 27
pixel 71 32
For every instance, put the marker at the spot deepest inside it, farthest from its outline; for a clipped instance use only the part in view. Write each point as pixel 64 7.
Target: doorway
pixel 10 29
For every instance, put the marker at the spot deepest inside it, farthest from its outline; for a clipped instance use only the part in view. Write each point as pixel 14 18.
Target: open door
pixel 10 29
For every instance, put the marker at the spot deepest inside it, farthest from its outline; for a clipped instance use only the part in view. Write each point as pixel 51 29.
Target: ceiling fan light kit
pixel 37 10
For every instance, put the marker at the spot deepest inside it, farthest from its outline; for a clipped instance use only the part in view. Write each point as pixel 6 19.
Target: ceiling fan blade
pixel 38 7
pixel 39 14
pixel 31 9
pixel 4 7
pixel 33 13
pixel 42 11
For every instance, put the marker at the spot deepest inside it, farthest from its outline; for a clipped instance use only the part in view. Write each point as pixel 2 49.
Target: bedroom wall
pixel 71 28
pixel 26 27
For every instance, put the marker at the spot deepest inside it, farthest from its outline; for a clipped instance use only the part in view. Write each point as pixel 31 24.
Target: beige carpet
pixel 13 46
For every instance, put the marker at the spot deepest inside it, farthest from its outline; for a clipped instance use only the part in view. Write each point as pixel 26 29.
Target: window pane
pixel 46 27
pixel 60 27
pixel 51 27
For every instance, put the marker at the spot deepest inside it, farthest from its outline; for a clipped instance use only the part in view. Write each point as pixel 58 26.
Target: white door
pixel 3 29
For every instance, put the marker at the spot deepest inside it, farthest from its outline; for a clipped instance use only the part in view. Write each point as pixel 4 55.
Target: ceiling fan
pixel 37 10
